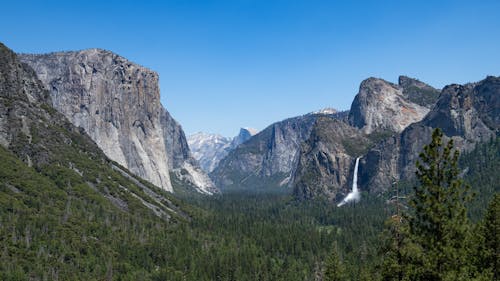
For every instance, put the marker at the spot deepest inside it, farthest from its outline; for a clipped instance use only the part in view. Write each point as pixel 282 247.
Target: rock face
pixel 244 135
pixel 383 106
pixel 467 113
pixel 314 154
pixel 46 140
pixel 209 149
pixel 22 96
pixel 326 161
pixel 118 104
pixel 267 159
pixel 387 126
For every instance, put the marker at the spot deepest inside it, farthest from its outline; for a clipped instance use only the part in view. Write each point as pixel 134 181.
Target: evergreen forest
pixel 441 227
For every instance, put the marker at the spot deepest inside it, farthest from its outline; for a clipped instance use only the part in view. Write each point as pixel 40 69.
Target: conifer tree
pixel 334 270
pixel 393 249
pixel 438 225
pixel 487 249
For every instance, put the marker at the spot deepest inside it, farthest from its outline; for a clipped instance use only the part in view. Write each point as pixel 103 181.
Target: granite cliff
pixel 326 159
pixel 314 154
pixel 117 103
pixel 469 114
pixel 380 110
pixel 268 159
pixel 384 106
pixel 394 122
pixel 61 154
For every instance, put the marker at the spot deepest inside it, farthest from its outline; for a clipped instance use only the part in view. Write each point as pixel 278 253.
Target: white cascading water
pixel 354 195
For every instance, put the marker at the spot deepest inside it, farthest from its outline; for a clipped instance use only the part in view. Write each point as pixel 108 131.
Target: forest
pixel 439 228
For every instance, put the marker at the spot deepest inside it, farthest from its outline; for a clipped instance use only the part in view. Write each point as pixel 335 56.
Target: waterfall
pixel 355 177
pixel 354 195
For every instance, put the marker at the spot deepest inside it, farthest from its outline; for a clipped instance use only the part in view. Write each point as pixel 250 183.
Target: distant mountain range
pixel 209 149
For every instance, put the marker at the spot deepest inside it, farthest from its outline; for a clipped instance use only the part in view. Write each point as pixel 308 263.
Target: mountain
pixel 384 106
pixel 326 158
pixel 244 135
pixel 48 144
pixel 265 160
pixel 326 110
pixel 379 110
pixel 209 149
pixel 469 114
pixel 389 125
pixel 117 103
pixel 288 154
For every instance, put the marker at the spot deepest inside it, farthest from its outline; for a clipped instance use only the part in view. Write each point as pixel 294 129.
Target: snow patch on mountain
pixel 326 111
pixel 209 149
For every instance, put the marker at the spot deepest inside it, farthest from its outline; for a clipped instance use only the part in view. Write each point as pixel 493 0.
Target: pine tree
pixel 393 249
pixel 487 249
pixel 438 225
pixel 334 270
pixel 394 242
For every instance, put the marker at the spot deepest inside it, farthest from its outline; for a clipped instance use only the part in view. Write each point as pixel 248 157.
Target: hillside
pixel 66 209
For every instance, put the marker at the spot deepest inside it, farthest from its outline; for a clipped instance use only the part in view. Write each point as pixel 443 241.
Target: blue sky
pixel 230 64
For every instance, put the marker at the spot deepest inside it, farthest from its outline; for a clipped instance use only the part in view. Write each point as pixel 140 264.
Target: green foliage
pixel 432 240
pixel 271 237
pixel 439 225
pixel 394 249
pixel 486 251
pixel 482 165
pixel 334 269
pixel 380 135
pixel 53 226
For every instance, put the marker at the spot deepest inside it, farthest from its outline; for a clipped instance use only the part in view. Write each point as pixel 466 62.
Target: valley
pixel 99 182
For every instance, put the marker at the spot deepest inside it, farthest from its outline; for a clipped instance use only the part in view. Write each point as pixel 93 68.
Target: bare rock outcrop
pixel 384 106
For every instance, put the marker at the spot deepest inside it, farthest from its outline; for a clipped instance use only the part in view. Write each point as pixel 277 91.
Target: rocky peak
pixel 30 89
pixel 406 82
pixel 244 135
pixel 45 139
pixel 115 101
pixel 326 111
pixel 469 114
pixel 470 111
pixel 209 149
pixel 384 106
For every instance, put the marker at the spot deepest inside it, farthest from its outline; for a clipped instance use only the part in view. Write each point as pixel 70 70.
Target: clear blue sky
pixel 230 64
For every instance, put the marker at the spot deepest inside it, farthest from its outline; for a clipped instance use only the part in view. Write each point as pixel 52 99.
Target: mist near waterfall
pixel 354 195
